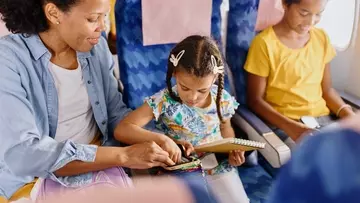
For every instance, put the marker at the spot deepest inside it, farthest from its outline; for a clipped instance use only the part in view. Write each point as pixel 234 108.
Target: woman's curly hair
pixel 27 16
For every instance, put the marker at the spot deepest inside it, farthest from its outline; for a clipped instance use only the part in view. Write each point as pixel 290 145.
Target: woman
pixel 58 94
pixel 289 72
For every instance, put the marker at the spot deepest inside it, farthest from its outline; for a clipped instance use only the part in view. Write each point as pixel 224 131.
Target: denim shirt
pixel 29 111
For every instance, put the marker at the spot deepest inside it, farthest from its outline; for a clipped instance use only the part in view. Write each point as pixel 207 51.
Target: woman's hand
pixel 170 146
pixel 236 157
pixel 144 156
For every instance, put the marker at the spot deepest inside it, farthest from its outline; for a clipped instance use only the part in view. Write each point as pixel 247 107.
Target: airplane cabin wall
pixel 345 36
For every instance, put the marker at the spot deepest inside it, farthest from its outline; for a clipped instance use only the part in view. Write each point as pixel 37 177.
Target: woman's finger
pixel 174 158
pixel 159 155
pixel 178 157
pixel 163 159
pixel 158 163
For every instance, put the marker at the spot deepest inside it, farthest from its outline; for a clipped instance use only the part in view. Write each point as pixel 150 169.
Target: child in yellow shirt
pixel 289 72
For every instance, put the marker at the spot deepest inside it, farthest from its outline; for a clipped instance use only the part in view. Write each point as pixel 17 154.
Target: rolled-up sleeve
pixel 25 151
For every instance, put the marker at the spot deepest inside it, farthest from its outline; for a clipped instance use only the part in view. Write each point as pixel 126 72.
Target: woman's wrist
pixel 161 139
pixel 122 156
pixel 111 156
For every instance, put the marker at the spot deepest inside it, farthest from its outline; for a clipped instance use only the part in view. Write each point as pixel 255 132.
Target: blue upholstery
pixel 143 68
pixel 256 183
pixel 324 168
pixel 241 30
pixel 255 121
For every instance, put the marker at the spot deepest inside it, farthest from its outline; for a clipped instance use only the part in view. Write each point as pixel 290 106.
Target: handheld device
pixel 310 122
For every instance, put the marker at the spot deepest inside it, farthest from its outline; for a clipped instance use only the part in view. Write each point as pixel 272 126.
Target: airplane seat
pixel 242 17
pixel 254 173
pixel 143 68
pixel 241 30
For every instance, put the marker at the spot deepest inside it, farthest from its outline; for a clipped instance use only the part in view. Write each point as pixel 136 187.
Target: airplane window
pixel 338 21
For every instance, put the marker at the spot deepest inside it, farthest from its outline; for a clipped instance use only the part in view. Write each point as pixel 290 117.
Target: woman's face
pixel 301 17
pixel 81 26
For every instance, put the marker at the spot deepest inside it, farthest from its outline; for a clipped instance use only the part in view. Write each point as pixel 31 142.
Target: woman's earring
pixel 57 23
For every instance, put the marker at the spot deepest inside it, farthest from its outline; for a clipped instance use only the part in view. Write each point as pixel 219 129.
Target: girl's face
pixel 194 91
pixel 301 17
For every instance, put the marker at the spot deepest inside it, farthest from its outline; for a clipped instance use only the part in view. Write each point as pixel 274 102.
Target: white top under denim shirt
pixel 76 120
pixel 29 111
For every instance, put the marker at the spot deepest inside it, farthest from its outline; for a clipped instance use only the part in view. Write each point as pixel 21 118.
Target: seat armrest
pixel 354 101
pixel 276 152
pixel 253 120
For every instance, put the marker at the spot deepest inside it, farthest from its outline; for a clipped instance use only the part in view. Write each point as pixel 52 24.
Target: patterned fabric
pixel 257 183
pixel 241 31
pixel 143 68
pixel 325 168
pixel 195 125
pixel 193 166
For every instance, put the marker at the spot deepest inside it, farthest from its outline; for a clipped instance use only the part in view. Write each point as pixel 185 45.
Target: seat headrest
pixel 270 12
pixel 170 21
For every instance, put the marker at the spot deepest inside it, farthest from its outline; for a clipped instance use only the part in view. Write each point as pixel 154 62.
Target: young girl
pixel 289 76
pixel 193 112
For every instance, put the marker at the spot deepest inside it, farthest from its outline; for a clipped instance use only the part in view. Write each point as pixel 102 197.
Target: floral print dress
pixel 195 125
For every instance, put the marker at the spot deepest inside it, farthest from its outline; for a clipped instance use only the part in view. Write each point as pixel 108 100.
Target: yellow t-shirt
pixel 293 75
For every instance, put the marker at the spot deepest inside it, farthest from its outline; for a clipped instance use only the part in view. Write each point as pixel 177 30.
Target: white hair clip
pixel 175 60
pixel 216 69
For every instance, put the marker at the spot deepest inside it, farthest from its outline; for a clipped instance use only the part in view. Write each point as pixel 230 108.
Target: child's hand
pixel 188 147
pixel 236 157
pixel 168 145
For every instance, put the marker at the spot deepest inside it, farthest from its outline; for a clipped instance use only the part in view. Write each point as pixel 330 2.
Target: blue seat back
pixel 143 68
pixel 241 30
pixel 240 33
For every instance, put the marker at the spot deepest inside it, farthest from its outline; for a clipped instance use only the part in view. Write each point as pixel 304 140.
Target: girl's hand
pixel 297 130
pixel 188 147
pixel 236 157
